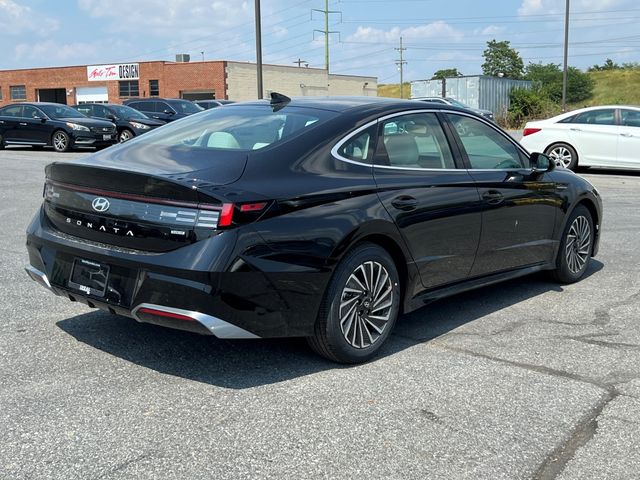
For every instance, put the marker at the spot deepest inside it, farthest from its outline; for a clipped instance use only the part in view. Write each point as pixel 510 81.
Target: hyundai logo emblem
pixel 100 204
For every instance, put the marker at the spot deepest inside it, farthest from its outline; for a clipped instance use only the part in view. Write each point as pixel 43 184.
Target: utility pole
pixel 258 48
pixel 299 62
pixel 326 30
pixel 401 62
pixel 566 54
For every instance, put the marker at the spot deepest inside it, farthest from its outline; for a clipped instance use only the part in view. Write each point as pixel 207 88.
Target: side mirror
pixel 42 119
pixel 540 163
pixel 111 117
pixel 168 112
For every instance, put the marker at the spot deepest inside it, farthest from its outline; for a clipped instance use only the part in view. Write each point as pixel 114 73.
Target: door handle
pixel 493 197
pixel 23 124
pixel 405 203
pixel 575 129
pixel 626 135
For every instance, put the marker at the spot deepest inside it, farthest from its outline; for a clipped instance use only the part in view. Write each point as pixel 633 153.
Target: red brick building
pixel 76 84
pixel 191 80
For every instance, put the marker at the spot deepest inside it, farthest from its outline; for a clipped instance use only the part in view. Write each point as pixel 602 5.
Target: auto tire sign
pixel 126 71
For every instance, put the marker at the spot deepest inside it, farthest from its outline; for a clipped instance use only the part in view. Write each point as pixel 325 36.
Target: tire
pixel 563 153
pixel 60 141
pixel 576 245
pixel 354 319
pixel 125 135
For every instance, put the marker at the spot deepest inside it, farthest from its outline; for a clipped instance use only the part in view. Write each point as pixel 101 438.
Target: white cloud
pixel 16 19
pixel 55 52
pixel 492 30
pixel 439 29
pixel 540 7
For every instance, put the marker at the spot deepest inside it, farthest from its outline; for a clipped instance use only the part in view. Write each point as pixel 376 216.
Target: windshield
pixel 186 107
pixel 236 128
pixel 456 103
pixel 126 113
pixel 61 111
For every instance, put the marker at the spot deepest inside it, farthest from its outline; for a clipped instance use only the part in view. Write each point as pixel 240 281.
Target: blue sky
pixel 437 33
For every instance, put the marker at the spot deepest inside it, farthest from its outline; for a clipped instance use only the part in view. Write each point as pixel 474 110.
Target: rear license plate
pixel 89 277
pixel 106 137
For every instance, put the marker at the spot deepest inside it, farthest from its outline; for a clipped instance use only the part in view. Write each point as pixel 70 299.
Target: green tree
pixel 607 65
pixel 500 58
pixel 446 73
pixel 547 79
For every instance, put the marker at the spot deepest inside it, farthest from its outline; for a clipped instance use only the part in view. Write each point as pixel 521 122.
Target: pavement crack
pixel 123 465
pixel 557 460
pixel 589 339
pixel 527 366
pixel 603 314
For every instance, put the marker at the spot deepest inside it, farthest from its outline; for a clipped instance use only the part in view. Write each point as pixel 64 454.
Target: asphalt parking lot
pixel 524 380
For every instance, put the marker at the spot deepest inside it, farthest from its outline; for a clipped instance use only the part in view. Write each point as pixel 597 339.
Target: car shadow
pixel 241 364
pixel 608 171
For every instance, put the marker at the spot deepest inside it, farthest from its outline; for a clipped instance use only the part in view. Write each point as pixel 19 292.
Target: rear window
pixel 236 128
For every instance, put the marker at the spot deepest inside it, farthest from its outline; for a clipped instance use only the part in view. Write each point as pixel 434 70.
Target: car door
pixel 33 126
pixel 9 117
pixel 629 138
pixel 519 206
pixel 433 202
pixel 594 135
pixel 163 111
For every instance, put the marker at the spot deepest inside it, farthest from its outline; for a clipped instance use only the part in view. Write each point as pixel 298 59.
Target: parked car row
pixel 41 124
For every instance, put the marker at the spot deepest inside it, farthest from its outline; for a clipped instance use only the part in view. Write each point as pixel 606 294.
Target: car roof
pixel 353 104
pixel 35 104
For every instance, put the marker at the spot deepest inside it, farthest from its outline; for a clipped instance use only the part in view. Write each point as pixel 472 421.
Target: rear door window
pixel 414 141
pixel 630 118
pixel 12 111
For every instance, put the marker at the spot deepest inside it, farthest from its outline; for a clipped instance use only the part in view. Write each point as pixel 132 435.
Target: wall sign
pixel 126 71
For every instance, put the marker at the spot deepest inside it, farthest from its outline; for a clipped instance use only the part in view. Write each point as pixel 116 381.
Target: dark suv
pixel 166 109
pixel 40 124
pixel 129 121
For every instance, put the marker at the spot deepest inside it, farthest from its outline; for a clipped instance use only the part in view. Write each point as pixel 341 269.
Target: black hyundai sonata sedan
pixel 319 218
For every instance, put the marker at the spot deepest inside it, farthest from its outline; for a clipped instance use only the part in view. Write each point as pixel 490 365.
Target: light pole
pixel 202 53
pixel 258 48
pixel 566 51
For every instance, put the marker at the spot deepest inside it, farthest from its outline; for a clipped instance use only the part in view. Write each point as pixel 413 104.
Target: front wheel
pixel 360 307
pixel 125 136
pixel 576 246
pixel 563 154
pixel 61 141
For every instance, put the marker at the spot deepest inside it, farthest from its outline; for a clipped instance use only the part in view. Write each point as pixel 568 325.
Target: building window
pixel 154 88
pixel 0 93
pixel 18 92
pixel 129 88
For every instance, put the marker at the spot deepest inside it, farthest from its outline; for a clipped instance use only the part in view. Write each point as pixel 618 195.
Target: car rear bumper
pixel 199 287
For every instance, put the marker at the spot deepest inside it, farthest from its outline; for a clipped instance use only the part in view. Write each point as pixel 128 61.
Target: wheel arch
pixel 385 235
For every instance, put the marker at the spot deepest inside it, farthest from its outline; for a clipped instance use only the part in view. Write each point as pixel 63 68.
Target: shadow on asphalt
pixel 240 364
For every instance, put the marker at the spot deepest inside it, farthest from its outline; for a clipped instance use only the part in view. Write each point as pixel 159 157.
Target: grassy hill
pixel 393 90
pixel 614 87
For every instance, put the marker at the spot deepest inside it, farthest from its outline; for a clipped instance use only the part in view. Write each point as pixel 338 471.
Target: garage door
pixel 92 95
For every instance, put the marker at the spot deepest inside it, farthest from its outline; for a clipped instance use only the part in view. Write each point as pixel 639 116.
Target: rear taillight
pixel 152 312
pixel 246 212
pixel 530 131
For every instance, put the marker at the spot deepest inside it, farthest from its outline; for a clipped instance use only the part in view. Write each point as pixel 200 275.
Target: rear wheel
pixel 576 246
pixel 61 141
pixel 564 154
pixel 125 135
pixel 360 307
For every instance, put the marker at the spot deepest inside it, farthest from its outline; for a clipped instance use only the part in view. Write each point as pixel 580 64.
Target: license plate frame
pixel 89 277
pixel 106 137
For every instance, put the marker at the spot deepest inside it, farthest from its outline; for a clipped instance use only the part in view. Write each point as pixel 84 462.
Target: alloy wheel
pixel 60 141
pixel 562 155
pixel 366 304
pixel 578 244
pixel 125 136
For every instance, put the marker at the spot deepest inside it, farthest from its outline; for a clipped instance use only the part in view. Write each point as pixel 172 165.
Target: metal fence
pixel 477 91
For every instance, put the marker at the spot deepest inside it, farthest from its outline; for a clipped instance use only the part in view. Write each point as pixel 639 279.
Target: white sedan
pixel 607 136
